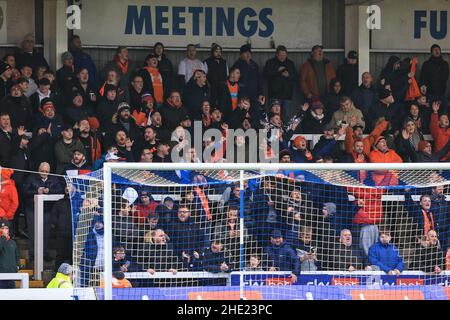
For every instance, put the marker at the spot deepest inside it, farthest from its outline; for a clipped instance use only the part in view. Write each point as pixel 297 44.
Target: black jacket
pixel 366 100
pixel 434 75
pixel 34 182
pixel 280 87
pixel 217 74
pixel 61 216
pixel 408 154
pixel 165 67
pixel 250 77
pixel 187 237
pixel 311 124
pixel 159 257
pixel 65 77
pixel 427 258
pixel 194 96
pixel 105 111
pixel 341 257
pixel 19 110
pixel 74 114
pixel 8 146
pixel 42 149
pixel 20 160
pixel 172 116
pixel 5 87
pixel 348 75
pixel 35 59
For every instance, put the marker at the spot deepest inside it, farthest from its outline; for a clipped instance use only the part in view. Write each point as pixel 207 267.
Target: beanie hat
pixel 378 140
pixel 214 47
pixel 65 269
pixel 66 56
pixel 316 104
pixel 122 106
pixel 146 97
pixel 119 275
pixel 331 207
pixel 352 54
pixel 298 140
pixel 422 145
pixel 3 67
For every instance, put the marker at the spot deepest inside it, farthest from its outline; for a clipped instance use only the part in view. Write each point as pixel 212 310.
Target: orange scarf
pixel 233 94
pixel 427 224
pixel 122 66
pixel 204 201
pixel 157 82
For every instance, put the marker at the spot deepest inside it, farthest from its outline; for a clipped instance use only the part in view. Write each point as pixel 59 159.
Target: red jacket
pixel 9 200
pixel 372 211
pixel 144 211
pixel 440 135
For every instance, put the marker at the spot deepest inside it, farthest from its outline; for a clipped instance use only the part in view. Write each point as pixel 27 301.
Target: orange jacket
pixel 308 79
pixel 124 283
pixel 9 200
pixel 440 135
pixel 372 211
pixel 140 117
pixel 385 177
pixel 367 141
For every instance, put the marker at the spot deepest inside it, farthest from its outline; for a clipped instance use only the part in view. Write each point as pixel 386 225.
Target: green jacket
pixel 9 256
pixel 60 281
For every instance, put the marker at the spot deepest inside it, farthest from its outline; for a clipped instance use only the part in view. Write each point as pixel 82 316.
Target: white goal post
pixel 242 167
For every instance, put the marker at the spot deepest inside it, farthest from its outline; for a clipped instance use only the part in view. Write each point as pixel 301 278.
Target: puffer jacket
pixel 385 256
pixel 9 200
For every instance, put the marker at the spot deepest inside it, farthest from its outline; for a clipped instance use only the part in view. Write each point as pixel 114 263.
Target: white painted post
pixel 39 200
pixel 107 221
pixel 363 42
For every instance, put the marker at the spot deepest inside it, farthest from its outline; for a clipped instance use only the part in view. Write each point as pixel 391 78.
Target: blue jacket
pixel 386 256
pixel 284 258
pixel 83 60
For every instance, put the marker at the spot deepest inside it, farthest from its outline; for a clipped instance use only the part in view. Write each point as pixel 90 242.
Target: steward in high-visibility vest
pixel 63 277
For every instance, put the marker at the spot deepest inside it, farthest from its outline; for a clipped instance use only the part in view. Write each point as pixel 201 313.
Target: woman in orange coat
pixel 9 200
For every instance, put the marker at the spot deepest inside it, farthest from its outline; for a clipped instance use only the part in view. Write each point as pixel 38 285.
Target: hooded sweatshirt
pixel 9 200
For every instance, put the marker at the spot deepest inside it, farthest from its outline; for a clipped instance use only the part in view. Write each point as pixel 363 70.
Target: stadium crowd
pixel 73 120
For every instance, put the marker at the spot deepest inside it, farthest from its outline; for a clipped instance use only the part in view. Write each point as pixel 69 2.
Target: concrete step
pixel 29 271
pixel 37 284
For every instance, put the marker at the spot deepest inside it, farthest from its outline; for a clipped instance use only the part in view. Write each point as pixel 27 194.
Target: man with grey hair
pixel 342 255
pixel 41 183
pixel 29 55
pixel 63 278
